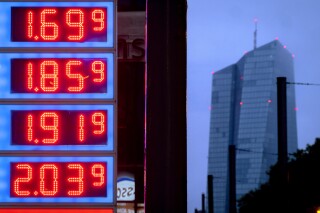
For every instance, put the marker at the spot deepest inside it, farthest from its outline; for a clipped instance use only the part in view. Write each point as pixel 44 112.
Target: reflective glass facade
pixel 244 113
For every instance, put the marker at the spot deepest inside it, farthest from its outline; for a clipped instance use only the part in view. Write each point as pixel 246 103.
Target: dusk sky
pixel 219 33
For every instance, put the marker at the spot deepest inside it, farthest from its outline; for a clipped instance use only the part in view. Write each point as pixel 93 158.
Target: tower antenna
pixel 255 33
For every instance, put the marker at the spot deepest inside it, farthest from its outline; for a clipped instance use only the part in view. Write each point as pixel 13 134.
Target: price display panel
pixel 57 127
pixel 57 179
pixel 57 24
pixel 56 75
pixel 58 106
pixel 60 210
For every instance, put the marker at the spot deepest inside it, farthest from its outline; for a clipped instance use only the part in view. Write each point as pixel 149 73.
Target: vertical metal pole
pixel 282 125
pixel 202 203
pixel 282 136
pixel 210 194
pixel 232 179
pixel 166 146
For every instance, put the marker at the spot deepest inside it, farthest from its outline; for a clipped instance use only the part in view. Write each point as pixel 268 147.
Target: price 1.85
pixel 59 75
pixel 59 127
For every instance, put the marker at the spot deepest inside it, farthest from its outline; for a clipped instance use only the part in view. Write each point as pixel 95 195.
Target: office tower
pixel 244 114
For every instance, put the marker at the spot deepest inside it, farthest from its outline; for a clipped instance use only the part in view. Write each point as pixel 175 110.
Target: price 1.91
pixel 59 127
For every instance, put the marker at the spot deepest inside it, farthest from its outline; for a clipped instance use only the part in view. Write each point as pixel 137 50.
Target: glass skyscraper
pixel 244 114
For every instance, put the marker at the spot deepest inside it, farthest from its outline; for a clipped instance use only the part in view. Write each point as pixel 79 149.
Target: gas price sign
pixel 57 127
pixel 58 106
pixel 49 127
pixel 57 179
pixel 57 24
pixel 58 75
pixel 51 23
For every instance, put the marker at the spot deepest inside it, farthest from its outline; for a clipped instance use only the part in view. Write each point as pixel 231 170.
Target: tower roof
pixel 270 45
pixel 275 44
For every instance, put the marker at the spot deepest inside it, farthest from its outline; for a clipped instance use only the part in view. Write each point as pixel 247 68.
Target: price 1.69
pixel 52 24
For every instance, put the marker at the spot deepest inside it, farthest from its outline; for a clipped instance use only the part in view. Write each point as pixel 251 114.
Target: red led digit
pixel 98 16
pixel 48 25
pixel 53 84
pixel 23 180
pixel 43 188
pixel 76 76
pixel 29 132
pixel 30 72
pixel 98 120
pixel 81 130
pixel 79 24
pixel 97 170
pixel 53 117
pixel 98 67
pixel 30 22
pixel 78 179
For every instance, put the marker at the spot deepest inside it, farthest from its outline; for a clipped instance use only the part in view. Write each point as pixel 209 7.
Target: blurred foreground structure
pixel 152 106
